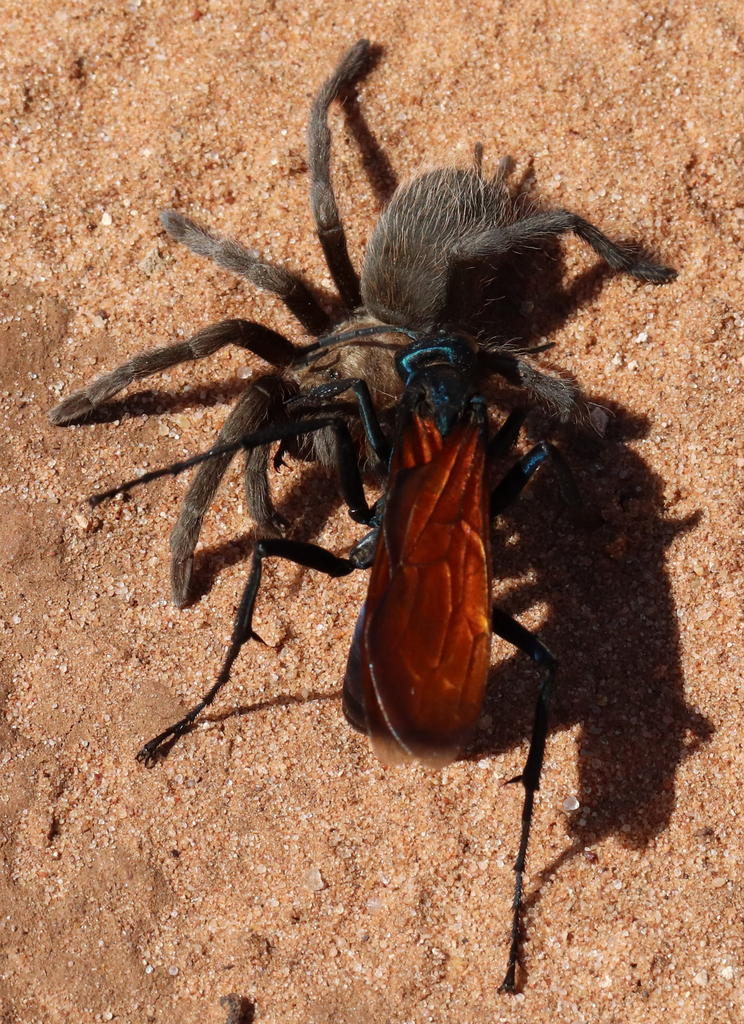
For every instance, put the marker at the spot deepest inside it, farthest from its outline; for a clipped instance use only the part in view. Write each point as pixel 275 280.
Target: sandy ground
pixel 270 855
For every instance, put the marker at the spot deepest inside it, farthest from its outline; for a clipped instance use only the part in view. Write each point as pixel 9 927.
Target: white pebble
pixel 314 880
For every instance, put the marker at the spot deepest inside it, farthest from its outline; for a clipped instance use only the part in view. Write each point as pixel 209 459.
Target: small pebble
pixel 599 419
pixel 313 880
pixel 82 521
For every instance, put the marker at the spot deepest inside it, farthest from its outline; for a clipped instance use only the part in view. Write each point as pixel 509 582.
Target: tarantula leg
pixel 531 230
pixel 503 170
pixel 555 394
pixel 260 340
pixel 231 255
pixel 260 404
pixel 323 202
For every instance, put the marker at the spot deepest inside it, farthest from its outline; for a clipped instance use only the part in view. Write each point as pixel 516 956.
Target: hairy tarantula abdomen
pixel 446 224
pixel 442 237
pixel 414 248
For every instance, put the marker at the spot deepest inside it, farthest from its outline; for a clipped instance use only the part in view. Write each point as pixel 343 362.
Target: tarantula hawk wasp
pixel 417 671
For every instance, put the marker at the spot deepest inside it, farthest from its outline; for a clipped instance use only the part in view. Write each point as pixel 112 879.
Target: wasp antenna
pixel 174 469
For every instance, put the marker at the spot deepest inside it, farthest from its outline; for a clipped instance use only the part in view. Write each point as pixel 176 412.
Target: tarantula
pixel 435 246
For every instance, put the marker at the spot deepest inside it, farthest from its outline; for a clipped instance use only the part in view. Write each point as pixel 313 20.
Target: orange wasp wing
pixel 426 633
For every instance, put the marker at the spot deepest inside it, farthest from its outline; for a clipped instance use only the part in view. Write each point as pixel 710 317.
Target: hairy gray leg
pixel 531 230
pixel 255 408
pixel 322 199
pixel 262 341
pixel 233 256
pixel 557 395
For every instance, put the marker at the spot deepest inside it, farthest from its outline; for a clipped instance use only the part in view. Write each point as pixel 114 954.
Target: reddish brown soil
pixel 271 855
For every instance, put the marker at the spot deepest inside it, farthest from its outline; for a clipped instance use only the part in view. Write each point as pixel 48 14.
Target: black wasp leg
pixel 374 433
pixel 506 436
pixel 510 630
pixel 312 557
pixel 520 474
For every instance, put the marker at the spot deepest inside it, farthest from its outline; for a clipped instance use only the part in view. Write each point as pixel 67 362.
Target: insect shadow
pixel 157 402
pixel 378 168
pixel 611 623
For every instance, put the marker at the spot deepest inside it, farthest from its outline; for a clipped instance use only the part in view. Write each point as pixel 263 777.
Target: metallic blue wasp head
pixel 445 347
pixel 439 373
